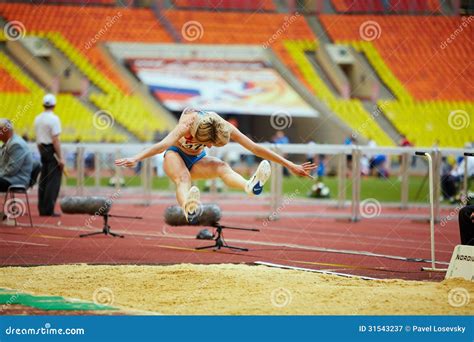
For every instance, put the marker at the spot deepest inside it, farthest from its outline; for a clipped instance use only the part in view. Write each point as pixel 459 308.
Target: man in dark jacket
pixel 466 225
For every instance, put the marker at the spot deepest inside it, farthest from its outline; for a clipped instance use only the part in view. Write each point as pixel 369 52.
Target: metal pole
pixel 432 211
pixel 117 172
pixel 275 186
pixel 213 187
pixel 404 185
pixel 80 171
pixel 437 185
pixel 358 181
pixel 341 180
pixel 355 185
pixel 430 172
pixel 63 176
pixel 147 172
pixel 97 165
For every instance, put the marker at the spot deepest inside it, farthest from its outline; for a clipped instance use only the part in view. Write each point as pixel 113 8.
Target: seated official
pixel 16 161
pixel 451 181
pixel 466 225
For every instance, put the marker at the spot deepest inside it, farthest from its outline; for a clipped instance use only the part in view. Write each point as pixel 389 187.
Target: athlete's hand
pixel 303 170
pixel 126 162
pixel 472 217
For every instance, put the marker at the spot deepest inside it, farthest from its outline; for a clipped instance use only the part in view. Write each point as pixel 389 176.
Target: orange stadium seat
pixel 379 6
pixel 413 49
pixel 268 30
pixel 90 23
pixel 9 84
pixel 244 5
pixel 75 2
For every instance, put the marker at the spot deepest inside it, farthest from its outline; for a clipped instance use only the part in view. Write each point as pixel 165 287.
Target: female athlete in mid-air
pixel 186 160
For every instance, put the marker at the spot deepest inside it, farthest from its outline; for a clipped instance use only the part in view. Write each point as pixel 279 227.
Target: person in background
pixel 404 142
pixel 48 128
pixel 281 138
pixel 450 181
pixel 351 140
pixel 466 225
pixel 367 159
pixel 311 157
pixel 16 162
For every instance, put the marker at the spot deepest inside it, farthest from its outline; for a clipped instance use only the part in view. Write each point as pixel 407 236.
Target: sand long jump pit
pixel 238 289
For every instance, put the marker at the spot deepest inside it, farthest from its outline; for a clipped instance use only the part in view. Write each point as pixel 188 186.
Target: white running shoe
pixel 256 182
pixel 192 207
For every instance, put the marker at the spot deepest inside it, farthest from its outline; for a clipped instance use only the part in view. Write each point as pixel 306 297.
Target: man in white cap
pixel 48 128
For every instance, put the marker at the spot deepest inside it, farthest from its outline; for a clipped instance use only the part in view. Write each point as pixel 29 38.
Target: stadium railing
pixel 338 155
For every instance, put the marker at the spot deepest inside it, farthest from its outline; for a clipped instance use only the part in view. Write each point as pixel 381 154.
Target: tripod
pixel 106 229
pixel 218 237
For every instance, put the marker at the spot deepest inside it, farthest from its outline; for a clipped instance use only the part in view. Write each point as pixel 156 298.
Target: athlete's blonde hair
pixel 210 127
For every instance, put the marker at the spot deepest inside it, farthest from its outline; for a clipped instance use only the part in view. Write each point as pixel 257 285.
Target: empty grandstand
pixel 404 60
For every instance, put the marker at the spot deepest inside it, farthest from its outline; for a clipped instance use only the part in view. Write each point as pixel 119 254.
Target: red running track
pixel 315 243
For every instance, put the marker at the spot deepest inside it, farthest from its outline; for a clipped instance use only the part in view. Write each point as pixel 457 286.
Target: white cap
pixel 49 100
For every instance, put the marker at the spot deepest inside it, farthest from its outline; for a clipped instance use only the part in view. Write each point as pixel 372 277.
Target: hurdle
pixel 432 214
pixel 104 153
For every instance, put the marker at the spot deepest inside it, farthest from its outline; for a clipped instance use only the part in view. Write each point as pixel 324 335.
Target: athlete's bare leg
pixel 176 170
pixel 211 167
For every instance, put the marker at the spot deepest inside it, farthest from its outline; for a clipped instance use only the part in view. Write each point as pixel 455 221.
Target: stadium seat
pixel 349 111
pixel 21 107
pixel 379 6
pixel 412 48
pixel 79 43
pixel 242 5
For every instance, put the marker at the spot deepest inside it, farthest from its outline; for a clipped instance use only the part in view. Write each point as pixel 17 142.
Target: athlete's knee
pixel 222 168
pixel 182 177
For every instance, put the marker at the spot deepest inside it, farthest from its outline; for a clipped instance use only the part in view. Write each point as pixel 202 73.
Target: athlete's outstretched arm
pixel 265 153
pixel 180 130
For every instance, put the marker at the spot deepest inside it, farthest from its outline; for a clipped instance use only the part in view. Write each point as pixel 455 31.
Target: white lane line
pixel 347 275
pixel 25 243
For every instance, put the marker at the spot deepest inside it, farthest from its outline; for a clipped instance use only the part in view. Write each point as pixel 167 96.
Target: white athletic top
pixel 47 125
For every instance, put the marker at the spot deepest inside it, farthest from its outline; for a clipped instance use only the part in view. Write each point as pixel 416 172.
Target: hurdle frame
pixel 339 154
pixel 431 171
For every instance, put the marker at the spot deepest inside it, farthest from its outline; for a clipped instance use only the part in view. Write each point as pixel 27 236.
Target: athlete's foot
pixel 256 182
pixel 192 207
